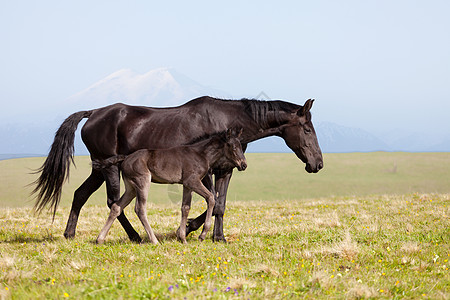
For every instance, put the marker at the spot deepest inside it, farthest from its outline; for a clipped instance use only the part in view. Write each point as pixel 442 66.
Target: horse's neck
pixel 262 122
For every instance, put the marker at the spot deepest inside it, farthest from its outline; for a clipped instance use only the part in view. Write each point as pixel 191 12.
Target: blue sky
pixel 376 65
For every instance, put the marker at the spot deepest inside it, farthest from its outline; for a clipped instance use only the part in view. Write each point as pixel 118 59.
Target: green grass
pixel 340 247
pixel 370 225
pixel 269 177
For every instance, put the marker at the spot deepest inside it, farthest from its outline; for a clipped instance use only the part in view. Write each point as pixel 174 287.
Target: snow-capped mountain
pixel 160 87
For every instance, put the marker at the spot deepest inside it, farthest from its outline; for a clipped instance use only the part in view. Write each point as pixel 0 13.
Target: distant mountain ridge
pixel 337 138
pixel 166 87
pixel 332 138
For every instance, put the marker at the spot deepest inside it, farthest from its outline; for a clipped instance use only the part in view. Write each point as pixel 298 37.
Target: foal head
pixel 233 149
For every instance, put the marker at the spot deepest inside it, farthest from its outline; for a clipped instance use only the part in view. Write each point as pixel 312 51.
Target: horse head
pixel 300 136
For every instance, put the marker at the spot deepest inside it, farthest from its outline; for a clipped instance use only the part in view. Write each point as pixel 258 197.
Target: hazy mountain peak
pixel 158 87
pixel 122 73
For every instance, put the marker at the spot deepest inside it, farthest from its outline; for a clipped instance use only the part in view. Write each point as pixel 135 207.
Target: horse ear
pixel 306 107
pixel 240 132
pixel 229 133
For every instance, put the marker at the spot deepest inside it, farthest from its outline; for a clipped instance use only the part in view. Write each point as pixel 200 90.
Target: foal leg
pixel 112 177
pixel 185 207
pixel 141 208
pixel 81 195
pixel 196 223
pixel 222 183
pixel 200 189
pixel 116 210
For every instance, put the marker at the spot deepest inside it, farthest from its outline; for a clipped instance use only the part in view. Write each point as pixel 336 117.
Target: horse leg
pixel 116 209
pixel 141 208
pixel 185 207
pixel 200 189
pixel 112 177
pixel 222 183
pixel 196 223
pixel 81 195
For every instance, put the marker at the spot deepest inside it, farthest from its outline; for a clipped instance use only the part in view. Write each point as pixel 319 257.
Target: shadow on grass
pixel 20 239
pixel 162 237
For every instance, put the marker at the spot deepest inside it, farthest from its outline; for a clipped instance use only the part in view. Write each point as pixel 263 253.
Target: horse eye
pixel 308 130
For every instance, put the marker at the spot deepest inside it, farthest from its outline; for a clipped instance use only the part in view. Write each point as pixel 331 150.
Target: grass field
pixel 370 225
pixel 269 177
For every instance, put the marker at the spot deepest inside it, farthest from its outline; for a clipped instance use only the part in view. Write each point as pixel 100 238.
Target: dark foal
pixel 187 165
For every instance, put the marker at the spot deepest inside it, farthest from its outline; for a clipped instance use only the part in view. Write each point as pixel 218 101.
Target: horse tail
pixel 98 164
pixel 55 170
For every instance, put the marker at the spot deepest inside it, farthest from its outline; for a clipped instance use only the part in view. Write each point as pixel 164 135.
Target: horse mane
pixel 260 110
pixel 264 113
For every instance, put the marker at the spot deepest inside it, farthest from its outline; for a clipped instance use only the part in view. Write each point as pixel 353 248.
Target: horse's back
pixel 110 127
pixel 123 129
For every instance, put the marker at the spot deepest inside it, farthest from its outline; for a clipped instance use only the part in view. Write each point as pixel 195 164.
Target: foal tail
pixel 55 169
pixel 98 164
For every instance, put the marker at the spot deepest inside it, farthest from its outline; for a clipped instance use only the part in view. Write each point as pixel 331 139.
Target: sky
pixel 377 65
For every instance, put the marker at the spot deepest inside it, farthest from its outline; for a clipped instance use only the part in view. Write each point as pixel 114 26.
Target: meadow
pixel 269 177
pixel 370 225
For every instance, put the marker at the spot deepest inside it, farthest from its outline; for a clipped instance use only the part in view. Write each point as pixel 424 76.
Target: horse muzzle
pixel 314 169
pixel 242 166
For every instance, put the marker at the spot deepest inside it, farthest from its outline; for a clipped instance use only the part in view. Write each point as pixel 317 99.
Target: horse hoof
pixel 69 236
pixel 136 239
pixel 100 242
pixel 219 239
pixel 183 241
pixel 179 238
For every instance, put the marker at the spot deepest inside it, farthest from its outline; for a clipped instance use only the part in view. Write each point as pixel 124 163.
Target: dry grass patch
pixel 265 270
pixel 327 220
pixel 242 283
pixel 347 248
pixel 7 262
pixel 358 290
pixel 410 247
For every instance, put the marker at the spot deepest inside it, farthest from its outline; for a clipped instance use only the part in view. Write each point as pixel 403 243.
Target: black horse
pixel 123 129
